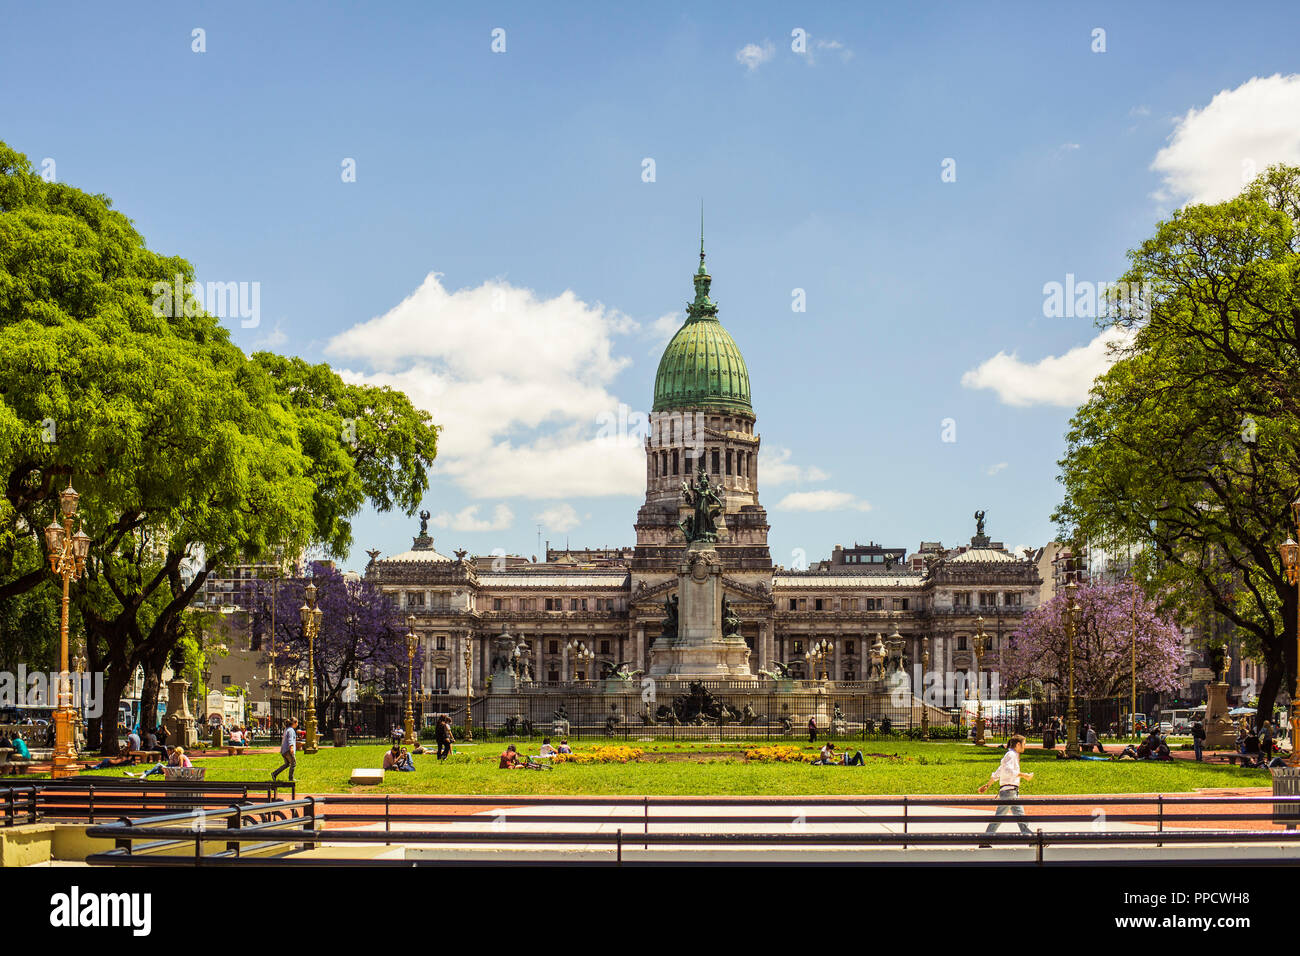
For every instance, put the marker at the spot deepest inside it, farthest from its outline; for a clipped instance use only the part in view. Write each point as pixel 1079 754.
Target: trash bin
pixel 340 737
pixel 1286 783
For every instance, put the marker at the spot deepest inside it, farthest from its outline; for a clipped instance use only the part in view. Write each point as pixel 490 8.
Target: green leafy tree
pixel 187 453
pixel 1190 443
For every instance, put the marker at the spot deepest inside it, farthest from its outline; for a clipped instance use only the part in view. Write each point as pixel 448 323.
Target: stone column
pixel 839 645
pixel 640 648
pixel 762 648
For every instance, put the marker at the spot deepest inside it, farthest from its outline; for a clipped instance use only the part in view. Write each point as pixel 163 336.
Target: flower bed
pixel 601 755
pixel 778 754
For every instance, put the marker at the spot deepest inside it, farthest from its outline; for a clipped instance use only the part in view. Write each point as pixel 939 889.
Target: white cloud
pixel 1052 380
pixel 822 501
pixel 1213 152
pixel 752 56
pixel 561 517
pixel 467 519
pixel 520 385
pixel 994 469
pixel 776 468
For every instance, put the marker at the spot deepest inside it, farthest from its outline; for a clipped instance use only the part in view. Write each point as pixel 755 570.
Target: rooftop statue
pixel 701 524
pixel 979 522
pixel 424 524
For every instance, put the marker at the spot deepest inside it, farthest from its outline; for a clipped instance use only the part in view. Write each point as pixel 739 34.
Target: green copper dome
pixel 702 365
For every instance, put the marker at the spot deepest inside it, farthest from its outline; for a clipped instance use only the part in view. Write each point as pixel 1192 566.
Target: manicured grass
pixel 907 767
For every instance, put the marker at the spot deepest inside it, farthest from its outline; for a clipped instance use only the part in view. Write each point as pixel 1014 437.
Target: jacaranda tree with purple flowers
pixel 361 633
pixel 1038 649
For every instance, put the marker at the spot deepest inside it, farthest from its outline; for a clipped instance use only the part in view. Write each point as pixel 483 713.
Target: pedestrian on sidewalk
pixel 812 729
pixel 1008 775
pixel 1198 738
pixel 288 747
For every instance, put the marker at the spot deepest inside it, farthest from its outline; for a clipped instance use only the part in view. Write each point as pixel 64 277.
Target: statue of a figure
pixel 979 523
pixel 877 654
pixel 424 524
pixel 701 524
pixel 780 671
pixel 623 671
pixel 730 619
pixel 671 604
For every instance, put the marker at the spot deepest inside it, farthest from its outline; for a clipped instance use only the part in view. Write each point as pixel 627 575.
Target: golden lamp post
pixel 469 687
pixel 925 669
pixel 816 656
pixel 311 616
pixel 981 643
pixel 68 553
pixel 408 724
pixel 1290 552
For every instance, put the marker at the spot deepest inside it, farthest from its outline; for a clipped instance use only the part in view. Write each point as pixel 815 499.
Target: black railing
pixel 89 798
pixel 641 822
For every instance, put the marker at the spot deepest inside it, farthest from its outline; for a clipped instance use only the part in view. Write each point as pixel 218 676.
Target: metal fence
pixel 640 823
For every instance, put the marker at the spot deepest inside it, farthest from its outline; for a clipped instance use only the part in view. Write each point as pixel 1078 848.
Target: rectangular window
pixel 961 599
pixel 555 647
pixel 794 604
pixel 798 647
pixel 850 647
pixel 961 643
pixel 1011 599
pixel 496 604
pixel 415 599
pixel 442 642
pixel 440 678
pixel 728 461
pixel 553 676
pixel 715 461
pixel 817 604
pixel 803 604
pixel 848 675
pixel 988 599
pixel 225 680
pixel 604 647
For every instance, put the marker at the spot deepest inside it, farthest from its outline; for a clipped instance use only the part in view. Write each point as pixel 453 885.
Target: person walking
pixel 1198 738
pixel 288 747
pixel 442 733
pixel 1008 775
pixel 812 729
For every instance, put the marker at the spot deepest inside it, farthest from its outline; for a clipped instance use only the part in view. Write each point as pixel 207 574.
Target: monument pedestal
pixel 700 650
pixel 1219 732
pixel 178 721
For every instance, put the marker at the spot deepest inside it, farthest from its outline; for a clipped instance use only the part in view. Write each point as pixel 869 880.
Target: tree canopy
pixel 1190 444
pixel 187 452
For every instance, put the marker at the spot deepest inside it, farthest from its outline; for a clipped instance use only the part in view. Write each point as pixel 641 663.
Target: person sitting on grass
pixel 177 759
pixel 564 746
pixel 510 760
pixel 122 759
pixel 546 749
pixel 398 759
pixel 1091 741
pixel 826 756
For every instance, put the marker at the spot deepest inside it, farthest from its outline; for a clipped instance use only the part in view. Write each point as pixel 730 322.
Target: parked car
pixel 1166 728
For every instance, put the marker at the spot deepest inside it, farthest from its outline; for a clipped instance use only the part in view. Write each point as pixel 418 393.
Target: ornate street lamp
pixel 67 553
pixel 1071 713
pixel 816 655
pixel 469 686
pixel 981 642
pixel 409 722
pixel 580 653
pixel 1290 552
pixel 925 710
pixel 311 616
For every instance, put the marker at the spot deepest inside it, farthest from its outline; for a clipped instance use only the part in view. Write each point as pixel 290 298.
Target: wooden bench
pixel 145 755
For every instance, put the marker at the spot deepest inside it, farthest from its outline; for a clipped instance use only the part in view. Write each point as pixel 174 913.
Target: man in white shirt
pixel 288 747
pixel 1008 775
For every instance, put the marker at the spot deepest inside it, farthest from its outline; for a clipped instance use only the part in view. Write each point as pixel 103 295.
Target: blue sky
pixel 501 196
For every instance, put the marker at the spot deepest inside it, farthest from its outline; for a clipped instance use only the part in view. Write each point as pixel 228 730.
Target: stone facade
pixel 615 608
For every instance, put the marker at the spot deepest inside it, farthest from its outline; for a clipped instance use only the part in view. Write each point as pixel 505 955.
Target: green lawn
pixel 908 767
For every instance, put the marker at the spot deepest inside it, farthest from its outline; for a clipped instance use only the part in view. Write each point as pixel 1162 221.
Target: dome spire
pixel 703 307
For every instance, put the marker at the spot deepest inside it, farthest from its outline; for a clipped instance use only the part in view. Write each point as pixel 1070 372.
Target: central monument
pixel 701 633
